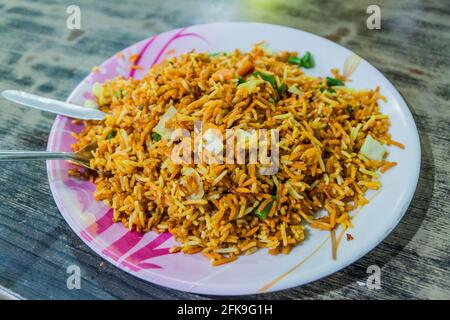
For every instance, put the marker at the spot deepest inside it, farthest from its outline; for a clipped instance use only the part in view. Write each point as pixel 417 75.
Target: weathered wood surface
pixel 39 54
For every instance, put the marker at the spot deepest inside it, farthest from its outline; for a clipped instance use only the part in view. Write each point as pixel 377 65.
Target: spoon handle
pixel 54 106
pixel 34 155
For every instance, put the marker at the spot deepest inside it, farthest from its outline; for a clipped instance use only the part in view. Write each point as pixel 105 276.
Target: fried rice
pixel 322 129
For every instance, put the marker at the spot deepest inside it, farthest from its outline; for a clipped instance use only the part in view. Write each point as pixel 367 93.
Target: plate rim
pixel 236 290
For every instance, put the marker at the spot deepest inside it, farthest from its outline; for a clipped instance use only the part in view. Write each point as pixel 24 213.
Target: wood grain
pixel 39 54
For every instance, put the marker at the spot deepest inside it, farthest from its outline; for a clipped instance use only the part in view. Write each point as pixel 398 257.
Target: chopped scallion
pixel 334 82
pixel 350 110
pixel 111 135
pixel 241 81
pixel 295 60
pixel 216 54
pixel 156 136
pixel 306 61
pixel 264 213
pixel 282 88
pixel 266 77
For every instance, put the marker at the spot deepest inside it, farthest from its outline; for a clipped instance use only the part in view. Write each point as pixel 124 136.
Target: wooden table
pixel 39 54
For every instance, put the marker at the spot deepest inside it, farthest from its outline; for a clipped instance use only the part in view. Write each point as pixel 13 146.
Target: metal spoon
pixel 54 106
pixel 81 158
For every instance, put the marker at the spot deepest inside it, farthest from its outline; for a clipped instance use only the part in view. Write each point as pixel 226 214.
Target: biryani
pixel 330 151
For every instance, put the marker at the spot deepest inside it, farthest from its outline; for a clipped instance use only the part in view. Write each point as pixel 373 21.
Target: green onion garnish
pixel 263 214
pixel 271 79
pixel 266 77
pixel 111 135
pixel 350 110
pixel 295 60
pixel 306 61
pixel 241 81
pixel 215 54
pixel 334 82
pixel 282 88
pixel 156 136
pixel 329 90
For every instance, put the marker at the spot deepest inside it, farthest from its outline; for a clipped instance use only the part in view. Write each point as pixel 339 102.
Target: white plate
pixel 146 256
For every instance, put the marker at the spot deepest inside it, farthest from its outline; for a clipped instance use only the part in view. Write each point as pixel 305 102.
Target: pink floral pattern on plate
pixel 117 245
